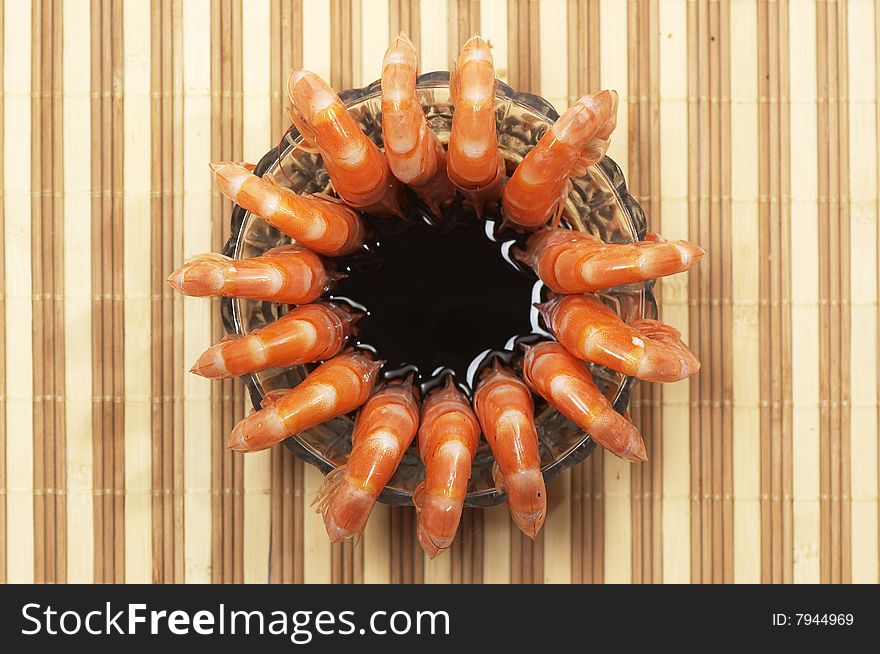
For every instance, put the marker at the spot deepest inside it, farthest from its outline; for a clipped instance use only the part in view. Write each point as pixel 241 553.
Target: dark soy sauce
pixel 439 293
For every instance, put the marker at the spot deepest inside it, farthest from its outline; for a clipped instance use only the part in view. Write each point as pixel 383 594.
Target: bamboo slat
pixel 750 126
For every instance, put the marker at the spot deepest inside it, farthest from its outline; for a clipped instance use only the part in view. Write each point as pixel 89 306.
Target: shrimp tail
pixel 344 508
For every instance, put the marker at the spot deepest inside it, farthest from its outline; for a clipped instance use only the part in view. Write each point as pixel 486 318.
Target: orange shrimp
pixel 448 439
pixel 414 152
pixel 385 428
pixel 565 382
pixel 332 389
pixel 504 408
pixel 537 189
pixel 289 274
pixel 474 162
pixel 647 349
pixel 358 169
pixel 325 226
pixel 311 332
pixel 574 262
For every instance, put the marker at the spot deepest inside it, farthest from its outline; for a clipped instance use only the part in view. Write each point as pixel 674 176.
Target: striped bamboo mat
pixel 748 126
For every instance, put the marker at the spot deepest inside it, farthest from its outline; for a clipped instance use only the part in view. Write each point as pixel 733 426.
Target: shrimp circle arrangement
pixel 526 411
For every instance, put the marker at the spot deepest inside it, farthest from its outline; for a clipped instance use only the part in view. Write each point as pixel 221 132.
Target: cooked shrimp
pixel 537 189
pixel 325 226
pixel 646 349
pixel 448 439
pixel 334 388
pixel 574 262
pixel 358 169
pixel 385 428
pixel 288 274
pixel 474 162
pixel 414 152
pixel 311 332
pixel 565 382
pixel 504 408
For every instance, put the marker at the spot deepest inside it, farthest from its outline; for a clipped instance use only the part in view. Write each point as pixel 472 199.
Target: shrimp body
pixel 566 383
pixel 324 226
pixel 474 162
pixel 574 262
pixel 647 349
pixel 504 408
pixel 385 428
pixel 289 274
pixel 414 152
pixel 334 388
pixel 308 333
pixel 448 439
pixel 579 139
pixel 358 169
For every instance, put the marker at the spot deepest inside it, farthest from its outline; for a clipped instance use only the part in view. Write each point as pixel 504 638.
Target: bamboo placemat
pixel 748 126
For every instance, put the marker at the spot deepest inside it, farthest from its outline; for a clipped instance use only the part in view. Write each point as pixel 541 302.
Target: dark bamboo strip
pixel 645 184
pixel 3 403
pixel 227 395
pixel 463 21
pixel 345 58
pixel 405 16
pixel 286 556
pixel 777 561
pixel 834 322
pixel 167 252
pixel 522 47
pixel 587 479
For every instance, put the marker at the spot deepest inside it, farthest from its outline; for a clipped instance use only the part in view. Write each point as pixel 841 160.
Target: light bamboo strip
pixel 138 354
pixel 375 36
pixel 493 28
pixel 745 264
pixel 434 34
pixel 862 66
pixel 523 44
pixel 675 510
pixel 617 509
pixel 198 442
pixel 17 159
pixel 805 295
pixel 3 404
pixel 256 140
pixel 316 548
pixel 77 291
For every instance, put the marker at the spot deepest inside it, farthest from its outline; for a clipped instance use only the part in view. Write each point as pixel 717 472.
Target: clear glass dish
pixel 599 204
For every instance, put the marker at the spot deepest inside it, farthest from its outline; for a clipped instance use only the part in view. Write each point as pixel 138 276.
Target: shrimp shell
pixel 574 262
pixel 579 139
pixel 385 428
pixel 414 152
pixel 646 349
pixel 358 169
pixel 308 333
pixel 504 407
pixel 565 382
pixel 448 439
pixel 288 274
pixel 474 162
pixel 324 226
pixel 332 389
